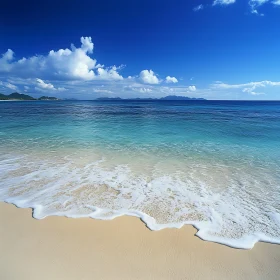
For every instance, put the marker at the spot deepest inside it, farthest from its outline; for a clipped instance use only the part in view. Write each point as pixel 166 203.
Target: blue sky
pixel 216 49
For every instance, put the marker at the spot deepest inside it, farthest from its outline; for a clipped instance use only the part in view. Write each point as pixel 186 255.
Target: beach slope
pixel 64 248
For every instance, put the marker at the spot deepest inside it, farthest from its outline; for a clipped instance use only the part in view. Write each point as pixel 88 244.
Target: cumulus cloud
pixel 169 79
pixel 247 87
pixel 109 73
pixel 74 63
pixel 276 2
pixel 149 77
pixel 223 2
pixel 47 86
pixel 198 8
pixel 192 88
pixel 6 59
pixel 7 56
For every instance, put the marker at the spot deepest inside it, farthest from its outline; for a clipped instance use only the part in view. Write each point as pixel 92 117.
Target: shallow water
pixel 213 164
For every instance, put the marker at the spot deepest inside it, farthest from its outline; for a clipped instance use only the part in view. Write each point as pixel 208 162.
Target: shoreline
pixel 123 248
pixel 149 223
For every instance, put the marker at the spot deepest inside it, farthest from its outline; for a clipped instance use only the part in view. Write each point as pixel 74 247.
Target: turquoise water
pixel 212 164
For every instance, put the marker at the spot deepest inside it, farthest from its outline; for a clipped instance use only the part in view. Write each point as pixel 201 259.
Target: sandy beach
pixel 124 248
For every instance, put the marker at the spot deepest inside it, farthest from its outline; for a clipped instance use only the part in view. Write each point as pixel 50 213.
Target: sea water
pixel 211 164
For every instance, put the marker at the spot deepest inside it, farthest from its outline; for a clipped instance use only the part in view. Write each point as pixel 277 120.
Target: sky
pixel 215 49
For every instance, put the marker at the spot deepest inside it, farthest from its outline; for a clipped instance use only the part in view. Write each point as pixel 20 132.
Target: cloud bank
pixel 249 88
pixel 74 72
pixel 71 69
pixel 63 64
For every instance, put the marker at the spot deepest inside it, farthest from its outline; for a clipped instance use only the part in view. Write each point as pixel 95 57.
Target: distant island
pixel 70 99
pixel 24 97
pixel 175 97
pixel 169 97
pixel 20 96
pixel 47 98
pixel 16 96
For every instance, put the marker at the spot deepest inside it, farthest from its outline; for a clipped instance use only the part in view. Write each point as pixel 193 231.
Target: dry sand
pixel 81 249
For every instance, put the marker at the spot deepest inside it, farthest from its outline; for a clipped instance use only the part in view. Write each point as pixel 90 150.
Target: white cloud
pixel 6 59
pixel 44 85
pixel 87 45
pixel 137 87
pixel 61 64
pixel 145 90
pixel 11 86
pixel 109 74
pixel 223 2
pixel 47 86
pixel 198 8
pixel 8 55
pixel 247 87
pixel 192 88
pixel 149 77
pixel 8 85
pixel 97 90
pixel 169 79
pixel 219 84
pixel 255 4
pixel 252 91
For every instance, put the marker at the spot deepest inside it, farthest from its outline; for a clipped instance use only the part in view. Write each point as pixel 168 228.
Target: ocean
pixel 212 164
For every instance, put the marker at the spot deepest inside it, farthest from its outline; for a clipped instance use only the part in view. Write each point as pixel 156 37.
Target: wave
pixel 235 205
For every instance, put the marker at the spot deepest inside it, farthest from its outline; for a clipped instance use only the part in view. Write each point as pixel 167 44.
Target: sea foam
pixel 233 205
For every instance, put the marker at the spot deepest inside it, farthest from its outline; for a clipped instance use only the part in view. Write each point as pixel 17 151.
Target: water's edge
pixel 149 222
